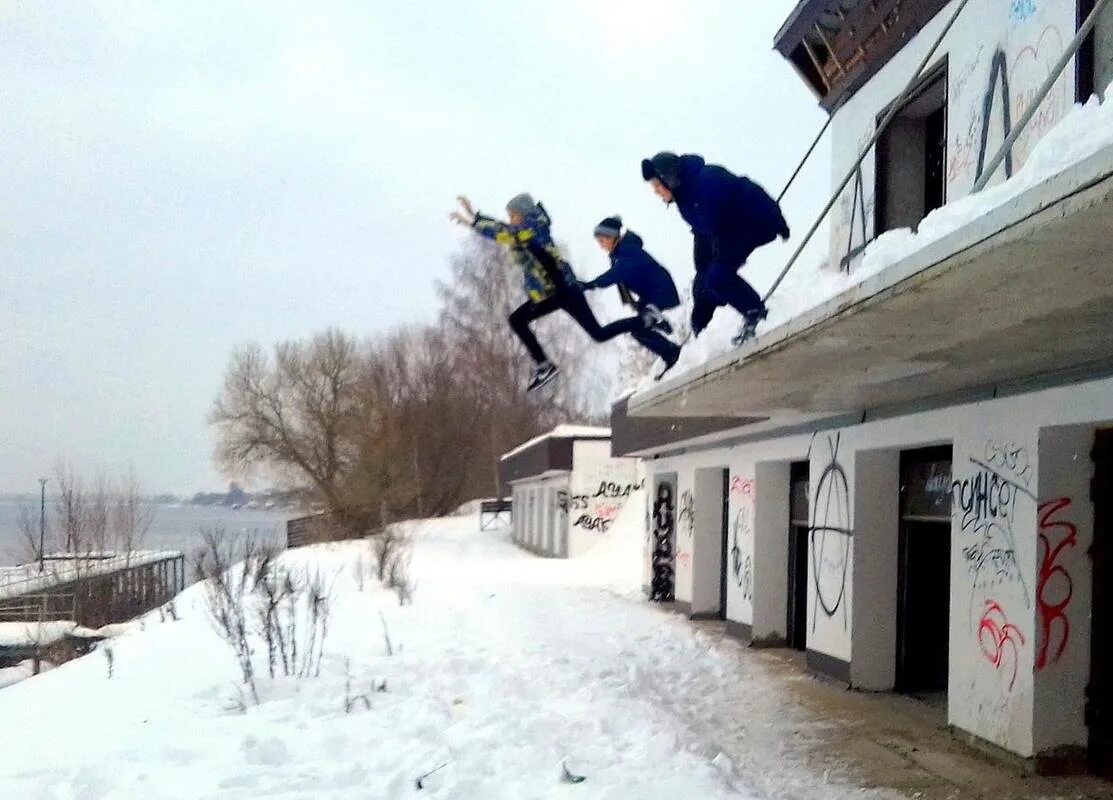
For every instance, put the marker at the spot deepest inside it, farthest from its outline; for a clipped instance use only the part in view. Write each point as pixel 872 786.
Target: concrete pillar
pixel 707 545
pixel 770 569
pixel 1062 593
pixel 876 537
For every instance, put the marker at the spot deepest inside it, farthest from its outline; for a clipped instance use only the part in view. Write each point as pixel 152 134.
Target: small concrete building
pixel 913 482
pixel 566 489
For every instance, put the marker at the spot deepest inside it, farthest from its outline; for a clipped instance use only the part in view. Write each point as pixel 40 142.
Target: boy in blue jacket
pixel 637 273
pixel 549 282
pixel 730 216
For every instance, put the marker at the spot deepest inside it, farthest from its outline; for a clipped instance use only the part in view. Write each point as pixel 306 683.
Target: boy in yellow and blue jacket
pixel 549 281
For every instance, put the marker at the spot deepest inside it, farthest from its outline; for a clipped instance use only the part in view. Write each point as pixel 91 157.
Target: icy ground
pixel 504 665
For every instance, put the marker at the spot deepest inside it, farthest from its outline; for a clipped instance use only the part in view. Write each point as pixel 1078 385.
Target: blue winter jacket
pixel 639 272
pixel 545 272
pixel 731 216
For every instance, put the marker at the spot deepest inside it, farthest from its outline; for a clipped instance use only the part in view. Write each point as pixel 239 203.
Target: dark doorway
pixel 912 158
pixel 924 571
pixel 798 505
pixel 1099 692
pixel 723 544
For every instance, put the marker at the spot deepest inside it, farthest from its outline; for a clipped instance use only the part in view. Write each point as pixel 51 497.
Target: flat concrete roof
pixel 1021 292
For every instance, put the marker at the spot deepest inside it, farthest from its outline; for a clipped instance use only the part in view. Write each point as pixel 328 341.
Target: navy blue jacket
pixel 730 216
pixel 639 272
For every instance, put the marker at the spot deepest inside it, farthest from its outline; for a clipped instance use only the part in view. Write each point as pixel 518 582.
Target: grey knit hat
pixel 521 203
pixel 611 226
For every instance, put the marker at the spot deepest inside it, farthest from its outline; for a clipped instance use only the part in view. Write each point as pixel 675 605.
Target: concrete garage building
pixel 913 482
pixel 566 489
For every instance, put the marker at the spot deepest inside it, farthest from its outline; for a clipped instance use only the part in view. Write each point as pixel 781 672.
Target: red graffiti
pixel 1054 587
pixel 683 559
pixel 998 637
pixel 607 512
pixel 1031 66
pixel 741 486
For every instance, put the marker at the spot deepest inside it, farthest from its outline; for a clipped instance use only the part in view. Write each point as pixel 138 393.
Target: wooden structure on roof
pixel 837 45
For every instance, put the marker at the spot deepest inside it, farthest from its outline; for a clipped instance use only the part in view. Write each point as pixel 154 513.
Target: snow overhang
pixel 1023 292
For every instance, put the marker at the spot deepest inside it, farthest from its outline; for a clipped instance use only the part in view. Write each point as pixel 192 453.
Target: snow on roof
pixel 60 568
pixel 562 432
pixel 1083 132
pixel 26 634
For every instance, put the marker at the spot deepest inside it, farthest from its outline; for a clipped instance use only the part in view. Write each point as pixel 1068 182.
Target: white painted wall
pixel 599 486
pixel 996 631
pixel 538 514
pixel 831 545
pixel 1031 35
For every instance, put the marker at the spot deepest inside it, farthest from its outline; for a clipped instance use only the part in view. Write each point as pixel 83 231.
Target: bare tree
pixel 295 413
pixel 71 509
pixel 131 515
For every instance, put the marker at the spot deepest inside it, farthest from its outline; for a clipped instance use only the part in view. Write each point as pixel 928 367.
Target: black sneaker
pixel 542 374
pixel 750 322
pixel 655 320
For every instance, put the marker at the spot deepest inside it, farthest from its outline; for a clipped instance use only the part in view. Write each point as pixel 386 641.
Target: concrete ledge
pixel 829 666
pixel 740 630
pixel 1041 243
pixel 681 607
pixel 1063 760
pixel 768 642
pixel 706 615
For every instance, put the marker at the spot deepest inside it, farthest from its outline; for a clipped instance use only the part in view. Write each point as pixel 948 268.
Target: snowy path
pixel 504 665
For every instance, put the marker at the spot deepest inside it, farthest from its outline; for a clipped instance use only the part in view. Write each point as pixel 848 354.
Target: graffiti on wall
pixel 596 509
pixel 1032 65
pixel 986 502
pixel 829 534
pixel 664 567
pixel 741 563
pixel 1007 81
pixel 687 516
pixel 1021 10
pixel 1000 640
pixel 1054 587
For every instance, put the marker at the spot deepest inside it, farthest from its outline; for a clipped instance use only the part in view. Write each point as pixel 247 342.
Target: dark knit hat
pixel 611 226
pixel 664 166
pixel 521 203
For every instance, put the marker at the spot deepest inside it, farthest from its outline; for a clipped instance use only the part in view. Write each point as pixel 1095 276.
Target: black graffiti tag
pixel 687 512
pixel 571 502
pixel 829 536
pixel 664 557
pixel 986 502
pixel 617 491
pixel 590 523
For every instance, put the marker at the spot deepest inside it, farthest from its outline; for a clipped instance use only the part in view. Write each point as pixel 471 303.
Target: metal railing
pixel 1006 146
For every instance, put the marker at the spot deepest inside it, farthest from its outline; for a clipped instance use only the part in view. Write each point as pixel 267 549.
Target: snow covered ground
pixel 504 665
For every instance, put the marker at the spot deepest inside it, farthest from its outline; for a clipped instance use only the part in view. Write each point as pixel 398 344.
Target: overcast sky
pixel 182 177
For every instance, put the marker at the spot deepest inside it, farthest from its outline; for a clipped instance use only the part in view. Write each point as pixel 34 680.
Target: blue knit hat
pixel 611 226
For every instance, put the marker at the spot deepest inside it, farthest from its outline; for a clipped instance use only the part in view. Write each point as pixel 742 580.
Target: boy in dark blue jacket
pixel 637 273
pixel 548 279
pixel 730 216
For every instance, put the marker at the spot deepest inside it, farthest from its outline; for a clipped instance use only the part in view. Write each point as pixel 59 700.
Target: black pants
pixel 720 285
pixel 573 302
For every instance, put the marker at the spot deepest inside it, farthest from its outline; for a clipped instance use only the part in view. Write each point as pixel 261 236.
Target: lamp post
pixel 42 523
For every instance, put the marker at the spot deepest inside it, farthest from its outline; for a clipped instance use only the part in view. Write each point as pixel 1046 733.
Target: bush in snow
pixel 392 549
pixel 287 608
